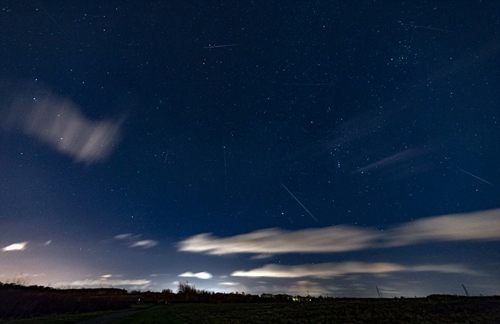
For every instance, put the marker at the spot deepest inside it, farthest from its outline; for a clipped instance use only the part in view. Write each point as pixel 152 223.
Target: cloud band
pixel 482 225
pixel 328 270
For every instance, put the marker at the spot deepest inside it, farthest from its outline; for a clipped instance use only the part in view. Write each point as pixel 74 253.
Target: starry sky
pixel 299 147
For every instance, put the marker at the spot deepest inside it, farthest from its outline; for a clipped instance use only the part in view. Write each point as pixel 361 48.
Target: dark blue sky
pixel 278 146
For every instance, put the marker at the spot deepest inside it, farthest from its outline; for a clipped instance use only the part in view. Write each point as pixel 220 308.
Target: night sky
pixel 322 147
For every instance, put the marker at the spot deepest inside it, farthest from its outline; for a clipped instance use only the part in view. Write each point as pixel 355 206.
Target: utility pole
pixel 379 293
pixel 466 292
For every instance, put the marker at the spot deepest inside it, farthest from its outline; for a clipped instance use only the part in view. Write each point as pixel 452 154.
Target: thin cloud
pixel 199 275
pixel 146 244
pixel 330 239
pixel 479 226
pixel 391 160
pixel 329 270
pixel 261 256
pixel 103 282
pixel 133 241
pixel 47 243
pixel 445 268
pixel 229 283
pixel 482 225
pixel 15 247
pixel 123 236
pixel 59 123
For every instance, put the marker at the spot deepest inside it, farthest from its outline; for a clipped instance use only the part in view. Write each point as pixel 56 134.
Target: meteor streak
pixel 478 178
pixel 299 202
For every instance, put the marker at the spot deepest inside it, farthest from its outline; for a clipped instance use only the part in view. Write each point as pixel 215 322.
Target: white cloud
pixel 146 244
pixel 15 247
pixel 328 270
pixel 199 275
pixel 445 268
pixel 59 123
pixel 391 160
pixel 47 242
pixel 228 283
pixel 482 225
pixel 330 239
pixel 323 270
pixel 158 274
pixel 123 236
pixel 134 239
pixel 261 256
pixel 107 283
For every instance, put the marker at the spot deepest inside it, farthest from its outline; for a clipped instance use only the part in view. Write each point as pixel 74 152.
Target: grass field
pixel 58 319
pixel 480 311
pixel 69 318
pixel 433 309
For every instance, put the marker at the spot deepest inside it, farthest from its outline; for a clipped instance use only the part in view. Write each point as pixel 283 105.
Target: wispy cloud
pixel 15 247
pixel 47 243
pixel 146 244
pixel 199 275
pixel 330 239
pixel 104 282
pixel 134 240
pixel 391 160
pixel 59 123
pixel 328 270
pixel 123 236
pixel 482 225
pixel 261 256
pixel 228 283
pixel 158 274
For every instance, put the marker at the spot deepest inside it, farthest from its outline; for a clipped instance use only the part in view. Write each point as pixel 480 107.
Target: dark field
pixel 461 310
pixel 34 304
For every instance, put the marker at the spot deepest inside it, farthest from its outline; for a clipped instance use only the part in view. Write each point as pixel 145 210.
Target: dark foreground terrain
pixel 421 310
pixel 466 310
pixel 33 304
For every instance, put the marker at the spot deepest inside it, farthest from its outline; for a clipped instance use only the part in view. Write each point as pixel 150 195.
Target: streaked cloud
pixel 444 268
pixel 330 239
pixel 158 274
pixel 102 282
pixel 123 236
pixel 482 225
pixel 328 270
pixel 59 122
pixel 15 247
pixel 47 243
pixel 199 275
pixel 261 256
pixel 391 160
pixel 146 244
pixel 228 283
pixel 133 240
